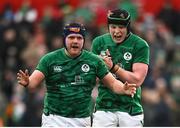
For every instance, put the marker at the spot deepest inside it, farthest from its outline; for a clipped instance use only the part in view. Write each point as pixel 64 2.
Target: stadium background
pixel 31 28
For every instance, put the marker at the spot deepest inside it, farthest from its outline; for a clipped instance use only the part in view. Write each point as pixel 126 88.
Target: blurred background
pixel 31 28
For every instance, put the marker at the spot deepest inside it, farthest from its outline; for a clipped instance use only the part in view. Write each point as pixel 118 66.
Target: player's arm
pixel 31 81
pixel 137 76
pixel 117 86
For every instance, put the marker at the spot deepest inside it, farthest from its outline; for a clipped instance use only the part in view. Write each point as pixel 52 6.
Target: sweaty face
pixel 74 44
pixel 118 32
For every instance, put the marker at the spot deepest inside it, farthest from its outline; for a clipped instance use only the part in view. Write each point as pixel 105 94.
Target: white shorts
pixel 58 121
pixel 114 119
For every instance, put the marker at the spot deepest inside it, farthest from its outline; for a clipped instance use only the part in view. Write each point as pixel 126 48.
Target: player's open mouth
pixel 74 47
pixel 117 37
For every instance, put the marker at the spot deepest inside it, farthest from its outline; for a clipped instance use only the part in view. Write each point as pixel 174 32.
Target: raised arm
pixel 137 75
pixel 30 81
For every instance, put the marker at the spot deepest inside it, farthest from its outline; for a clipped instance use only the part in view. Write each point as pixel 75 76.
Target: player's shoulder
pixel 101 40
pixel 53 54
pixel 139 40
pixel 101 37
pixel 90 55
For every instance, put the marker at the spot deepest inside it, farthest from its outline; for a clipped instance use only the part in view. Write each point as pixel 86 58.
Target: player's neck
pixel 72 56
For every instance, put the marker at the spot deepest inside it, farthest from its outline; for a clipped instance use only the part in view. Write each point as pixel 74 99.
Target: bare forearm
pixel 137 76
pixel 128 76
pixel 118 87
pixel 33 83
pixel 34 80
pixel 113 84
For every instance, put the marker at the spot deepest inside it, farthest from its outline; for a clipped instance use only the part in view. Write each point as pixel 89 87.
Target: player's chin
pixel 118 40
pixel 75 51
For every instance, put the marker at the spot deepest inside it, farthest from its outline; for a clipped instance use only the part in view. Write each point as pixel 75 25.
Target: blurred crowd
pixel 25 37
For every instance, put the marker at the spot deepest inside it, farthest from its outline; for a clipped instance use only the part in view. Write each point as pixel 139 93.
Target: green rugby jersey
pixel 132 50
pixel 70 81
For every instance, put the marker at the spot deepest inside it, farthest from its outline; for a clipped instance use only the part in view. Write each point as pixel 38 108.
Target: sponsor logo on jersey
pixel 57 68
pixel 127 56
pixel 85 68
pixel 78 80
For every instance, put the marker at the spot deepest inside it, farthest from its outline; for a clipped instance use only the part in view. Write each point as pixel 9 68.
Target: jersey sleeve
pixel 94 46
pixel 142 54
pixel 102 69
pixel 42 65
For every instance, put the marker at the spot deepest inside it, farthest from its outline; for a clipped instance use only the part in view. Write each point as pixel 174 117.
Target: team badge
pixel 85 68
pixel 127 56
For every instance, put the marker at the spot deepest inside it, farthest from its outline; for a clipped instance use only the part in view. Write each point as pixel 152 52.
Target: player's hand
pixel 23 78
pixel 129 89
pixel 107 59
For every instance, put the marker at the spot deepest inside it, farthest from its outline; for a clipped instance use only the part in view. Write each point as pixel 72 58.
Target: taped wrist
pixel 114 68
